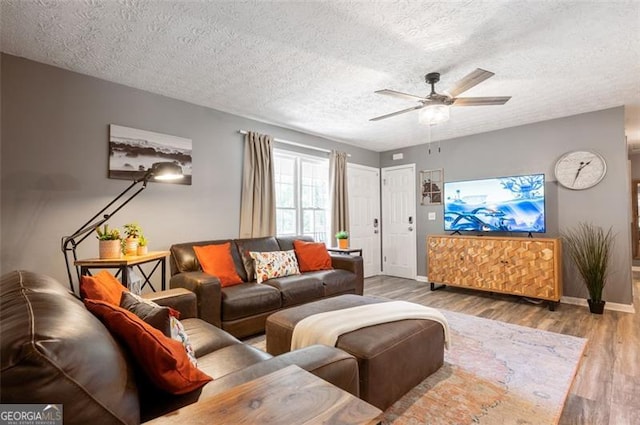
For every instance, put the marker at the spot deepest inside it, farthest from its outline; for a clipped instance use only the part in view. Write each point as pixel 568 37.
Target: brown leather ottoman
pixel 392 357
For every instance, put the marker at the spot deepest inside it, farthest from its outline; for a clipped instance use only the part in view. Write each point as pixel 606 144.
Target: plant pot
pixel 343 243
pixel 109 249
pixel 143 250
pixel 131 246
pixel 596 307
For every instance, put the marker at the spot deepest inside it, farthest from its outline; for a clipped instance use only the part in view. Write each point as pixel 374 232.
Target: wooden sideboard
pixel 529 267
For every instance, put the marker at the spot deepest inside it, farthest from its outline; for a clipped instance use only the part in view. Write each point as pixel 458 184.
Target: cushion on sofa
pixel 217 261
pixel 336 281
pixel 45 356
pixel 163 359
pixel 274 264
pixel 103 286
pixel 206 338
pixel 248 299
pixel 183 257
pixel 245 246
pixel 297 289
pixel 154 315
pixel 312 256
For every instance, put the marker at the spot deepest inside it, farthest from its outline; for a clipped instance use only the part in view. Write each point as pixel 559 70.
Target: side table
pixel 160 258
pixel 284 397
pixel 346 251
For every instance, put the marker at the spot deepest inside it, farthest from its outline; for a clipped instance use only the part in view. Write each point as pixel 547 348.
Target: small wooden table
pixel 287 396
pixel 160 257
pixel 346 251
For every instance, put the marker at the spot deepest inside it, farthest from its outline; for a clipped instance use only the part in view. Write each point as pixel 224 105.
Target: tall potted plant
pixel 109 245
pixel 590 249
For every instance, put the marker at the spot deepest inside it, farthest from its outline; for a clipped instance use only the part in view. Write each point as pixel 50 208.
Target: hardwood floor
pixel 606 390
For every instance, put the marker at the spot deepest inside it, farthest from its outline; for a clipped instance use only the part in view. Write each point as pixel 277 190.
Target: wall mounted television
pixel 502 204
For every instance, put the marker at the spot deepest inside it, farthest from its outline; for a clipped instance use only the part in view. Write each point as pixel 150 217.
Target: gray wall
pixel 54 157
pixel 534 148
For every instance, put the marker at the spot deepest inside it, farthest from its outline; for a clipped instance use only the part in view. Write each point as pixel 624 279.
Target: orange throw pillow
pixel 163 359
pixel 103 286
pixel 312 256
pixel 217 261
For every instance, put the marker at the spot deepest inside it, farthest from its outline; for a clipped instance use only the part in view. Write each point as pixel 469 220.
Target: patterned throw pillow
pixel 274 264
pixel 178 333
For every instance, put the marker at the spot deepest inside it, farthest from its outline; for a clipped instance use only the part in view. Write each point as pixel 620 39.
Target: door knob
pixel 410 228
pixel 375 231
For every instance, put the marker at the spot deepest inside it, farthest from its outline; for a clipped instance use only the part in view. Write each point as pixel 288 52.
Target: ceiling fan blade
pixel 381 117
pixel 480 101
pixel 469 81
pixel 399 94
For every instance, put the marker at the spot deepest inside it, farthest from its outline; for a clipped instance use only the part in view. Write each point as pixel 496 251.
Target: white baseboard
pixel 625 308
pixel 422 279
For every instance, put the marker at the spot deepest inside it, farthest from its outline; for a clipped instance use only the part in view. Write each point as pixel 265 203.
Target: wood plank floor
pixel 606 390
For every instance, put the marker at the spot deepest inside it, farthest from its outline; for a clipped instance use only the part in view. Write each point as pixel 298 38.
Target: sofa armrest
pixel 208 294
pixel 350 263
pixel 179 299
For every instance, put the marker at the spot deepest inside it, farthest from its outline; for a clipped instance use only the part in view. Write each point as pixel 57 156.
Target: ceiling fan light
pixel 434 114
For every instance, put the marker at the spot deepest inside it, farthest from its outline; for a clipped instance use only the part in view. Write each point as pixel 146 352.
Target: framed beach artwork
pixel 431 186
pixel 133 151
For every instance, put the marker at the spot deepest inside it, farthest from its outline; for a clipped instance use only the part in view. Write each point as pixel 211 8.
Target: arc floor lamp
pixel 160 171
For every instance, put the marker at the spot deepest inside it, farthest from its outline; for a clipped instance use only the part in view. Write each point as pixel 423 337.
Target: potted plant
pixel 343 239
pixel 109 245
pixel 590 249
pixel 133 232
pixel 142 245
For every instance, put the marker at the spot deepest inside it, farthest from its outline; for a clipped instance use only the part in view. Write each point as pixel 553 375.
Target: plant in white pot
pixel 109 245
pixel 590 248
pixel 133 232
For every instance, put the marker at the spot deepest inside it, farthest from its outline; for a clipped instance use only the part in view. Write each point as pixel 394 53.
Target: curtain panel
pixel 258 202
pixel 339 194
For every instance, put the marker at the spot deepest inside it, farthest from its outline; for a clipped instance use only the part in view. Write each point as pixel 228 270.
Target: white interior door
pixel 399 221
pixel 364 215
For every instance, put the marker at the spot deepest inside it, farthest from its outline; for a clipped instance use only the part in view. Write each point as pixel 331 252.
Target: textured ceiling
pixel 314 66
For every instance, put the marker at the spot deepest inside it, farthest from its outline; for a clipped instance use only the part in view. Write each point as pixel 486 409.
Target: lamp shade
pixel 164 171
pixel 434 114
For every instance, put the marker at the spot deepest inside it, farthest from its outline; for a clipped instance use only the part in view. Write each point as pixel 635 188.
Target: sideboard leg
pixel 435 287
pixel 552 305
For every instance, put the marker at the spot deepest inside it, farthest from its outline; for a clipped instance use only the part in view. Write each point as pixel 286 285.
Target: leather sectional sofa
pixel 54 351
pixel 243 309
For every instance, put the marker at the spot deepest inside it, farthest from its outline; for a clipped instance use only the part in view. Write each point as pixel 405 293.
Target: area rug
pixel 495 373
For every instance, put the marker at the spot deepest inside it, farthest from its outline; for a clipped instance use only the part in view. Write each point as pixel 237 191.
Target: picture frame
pixel 431 186
pixel 133 151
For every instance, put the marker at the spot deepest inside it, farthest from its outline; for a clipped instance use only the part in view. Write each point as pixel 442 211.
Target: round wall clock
pixel 580 169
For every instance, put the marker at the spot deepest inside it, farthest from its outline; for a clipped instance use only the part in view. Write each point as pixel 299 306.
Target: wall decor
pixel 431 186
pixel 133 151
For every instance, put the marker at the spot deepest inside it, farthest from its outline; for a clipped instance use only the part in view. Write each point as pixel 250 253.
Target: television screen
pixel 504 204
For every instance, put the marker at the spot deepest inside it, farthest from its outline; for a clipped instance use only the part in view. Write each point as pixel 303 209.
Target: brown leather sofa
pixel 243 309
pixel 54 351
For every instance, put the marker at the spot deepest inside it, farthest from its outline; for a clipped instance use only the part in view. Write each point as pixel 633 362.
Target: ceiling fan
pixel 437 105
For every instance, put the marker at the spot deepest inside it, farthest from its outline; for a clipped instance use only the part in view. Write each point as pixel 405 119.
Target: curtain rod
pixel 300 145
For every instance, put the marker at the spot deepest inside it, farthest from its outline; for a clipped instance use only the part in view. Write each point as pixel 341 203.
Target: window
pixel 302 195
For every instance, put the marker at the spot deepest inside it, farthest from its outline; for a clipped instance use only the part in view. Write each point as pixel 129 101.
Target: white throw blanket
pixel 326 328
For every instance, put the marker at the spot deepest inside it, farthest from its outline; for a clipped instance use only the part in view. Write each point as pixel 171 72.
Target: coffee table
pixel 288 396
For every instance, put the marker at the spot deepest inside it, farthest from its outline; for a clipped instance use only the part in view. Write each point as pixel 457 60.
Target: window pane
pixel 301 195
pixel 285 222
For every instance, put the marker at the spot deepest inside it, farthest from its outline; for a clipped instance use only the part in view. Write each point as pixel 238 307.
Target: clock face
pixel 580 169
